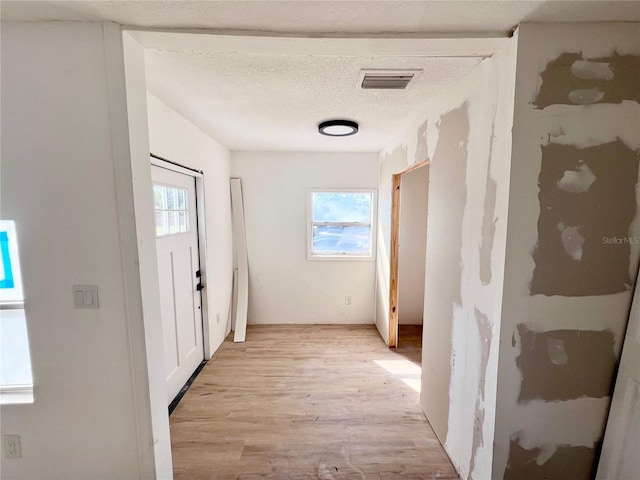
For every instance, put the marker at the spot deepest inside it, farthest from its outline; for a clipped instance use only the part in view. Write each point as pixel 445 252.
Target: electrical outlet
pixel 347 300
pixel 11 446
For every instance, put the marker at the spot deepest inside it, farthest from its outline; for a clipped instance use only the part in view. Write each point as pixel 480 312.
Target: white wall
pixel 412 245
pixel 172 137
pixel 285 287
pixel 465 134
pixel 562 433
pixel 64 139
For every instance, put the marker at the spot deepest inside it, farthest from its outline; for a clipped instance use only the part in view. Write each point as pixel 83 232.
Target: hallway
pixel 304 402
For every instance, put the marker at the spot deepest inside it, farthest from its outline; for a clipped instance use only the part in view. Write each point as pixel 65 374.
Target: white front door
pixel 619 458
pixel 178 269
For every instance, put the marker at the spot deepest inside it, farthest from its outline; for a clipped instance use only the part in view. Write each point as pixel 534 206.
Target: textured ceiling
pixel 255 99
pixel 274 102
pixel 326 16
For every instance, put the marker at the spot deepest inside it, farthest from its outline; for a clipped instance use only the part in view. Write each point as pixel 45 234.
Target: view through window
pixel 341 223
pixel 172 209
pixel 16 381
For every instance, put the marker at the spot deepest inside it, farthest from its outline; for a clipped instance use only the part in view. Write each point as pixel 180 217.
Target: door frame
pixel 198 176
pixel 396 185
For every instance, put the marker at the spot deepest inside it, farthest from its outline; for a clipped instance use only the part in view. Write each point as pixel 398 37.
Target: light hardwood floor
pixel 306 402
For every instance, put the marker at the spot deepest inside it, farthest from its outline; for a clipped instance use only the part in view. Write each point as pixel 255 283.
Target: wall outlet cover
pixel 11 447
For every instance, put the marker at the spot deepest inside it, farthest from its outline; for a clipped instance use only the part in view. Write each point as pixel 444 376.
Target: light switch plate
pixel 85 296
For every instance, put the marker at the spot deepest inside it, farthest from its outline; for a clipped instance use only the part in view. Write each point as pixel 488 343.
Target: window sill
pixel 16 395
pixel 340 258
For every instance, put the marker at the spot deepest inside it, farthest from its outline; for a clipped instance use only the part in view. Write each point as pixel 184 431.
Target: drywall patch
pixel 451 155
pixel 488 230
pixel 587 203
pixel 422 150
pixel 478 438
pixel 572 80
pixel 567 463
pixel 565 364
pixel 484 330
pixel 447 198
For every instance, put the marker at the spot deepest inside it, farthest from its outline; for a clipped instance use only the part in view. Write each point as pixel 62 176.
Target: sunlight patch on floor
pixel 405 370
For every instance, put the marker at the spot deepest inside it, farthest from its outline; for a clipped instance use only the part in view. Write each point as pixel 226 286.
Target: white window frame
pixel 373 223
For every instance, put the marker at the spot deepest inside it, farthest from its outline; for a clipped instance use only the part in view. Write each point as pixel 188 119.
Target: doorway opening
pixel 409 206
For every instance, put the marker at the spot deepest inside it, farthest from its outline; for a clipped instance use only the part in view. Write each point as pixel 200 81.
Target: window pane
pixel 341 207
pixel 162 223
pixel 172 209
pixel 349 240
pixel 173 222
pixel 172 202
pixel 159 196
pixel 182 199
pixel 10 278
pixel 15 367
pixel 183 220
pixel 15 360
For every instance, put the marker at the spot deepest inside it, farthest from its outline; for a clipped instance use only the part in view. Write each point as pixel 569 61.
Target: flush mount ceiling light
pixel 338 128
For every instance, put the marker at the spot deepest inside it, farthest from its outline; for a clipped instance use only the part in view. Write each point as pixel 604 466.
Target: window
pixel 172 209
pixel 16 380
pixel 340 224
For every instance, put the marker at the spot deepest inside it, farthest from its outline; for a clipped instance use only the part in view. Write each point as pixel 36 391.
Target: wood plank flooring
pixel 308 402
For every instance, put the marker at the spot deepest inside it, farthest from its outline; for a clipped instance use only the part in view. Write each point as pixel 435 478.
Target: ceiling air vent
pixel 387 79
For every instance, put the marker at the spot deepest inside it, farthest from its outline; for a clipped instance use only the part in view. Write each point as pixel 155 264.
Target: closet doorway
pixel 409 206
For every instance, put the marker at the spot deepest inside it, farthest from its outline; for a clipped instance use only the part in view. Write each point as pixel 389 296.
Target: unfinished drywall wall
pixel 587 201
pixel 576 79
pixel 284 286
pixel 64 139
pixel 465 134
pixel 412 248
pixel 172 137
pixel 572 248
pixel 567 463
pixel 553 364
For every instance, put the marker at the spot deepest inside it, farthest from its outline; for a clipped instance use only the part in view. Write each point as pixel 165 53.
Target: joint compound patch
pixel 421 143
pixel 484 330
pixel 587 196
pixel 565 364
pixel 578 180
pixel 566 463
pixel 489 219
pixel 572 80
pixel 557 353
pixel 592 70
pixel 447 199
pixel 572 241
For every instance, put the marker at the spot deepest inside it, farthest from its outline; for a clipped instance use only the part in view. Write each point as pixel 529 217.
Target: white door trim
pixel 202 237
pixel 175 167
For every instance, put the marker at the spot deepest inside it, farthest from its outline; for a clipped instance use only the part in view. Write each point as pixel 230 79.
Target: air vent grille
pixel 383 79
pixel 387 82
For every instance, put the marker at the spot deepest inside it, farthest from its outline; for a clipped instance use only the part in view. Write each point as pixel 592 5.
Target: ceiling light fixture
pixel 338 128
